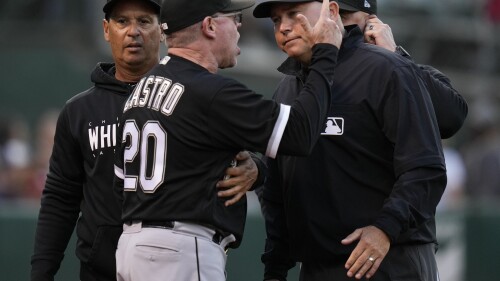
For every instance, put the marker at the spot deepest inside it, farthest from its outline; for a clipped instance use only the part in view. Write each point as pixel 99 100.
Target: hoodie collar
pixel 103 76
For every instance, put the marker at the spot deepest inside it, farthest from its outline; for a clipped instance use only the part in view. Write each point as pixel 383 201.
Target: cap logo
pixel 164 26
pixel 367 5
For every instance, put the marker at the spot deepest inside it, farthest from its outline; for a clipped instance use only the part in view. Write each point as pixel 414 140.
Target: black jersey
pixel 80 178
pixel 183 125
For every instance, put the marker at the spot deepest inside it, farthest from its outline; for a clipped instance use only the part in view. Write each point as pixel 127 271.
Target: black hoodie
pixel 80 179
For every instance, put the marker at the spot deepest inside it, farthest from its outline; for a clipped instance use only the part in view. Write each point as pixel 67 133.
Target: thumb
pixel 242 155
pixel 370 39
pixel 304 22
pixel 356 235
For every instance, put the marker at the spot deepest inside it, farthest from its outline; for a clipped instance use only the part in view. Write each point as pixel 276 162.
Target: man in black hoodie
pixel 78 189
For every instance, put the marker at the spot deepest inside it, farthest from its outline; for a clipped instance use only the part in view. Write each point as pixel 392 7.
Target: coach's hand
pixel 372 248
pixel 325 30
pixel 241 178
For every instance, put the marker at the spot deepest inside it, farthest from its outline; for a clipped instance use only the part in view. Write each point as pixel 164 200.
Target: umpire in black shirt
pixel 362 204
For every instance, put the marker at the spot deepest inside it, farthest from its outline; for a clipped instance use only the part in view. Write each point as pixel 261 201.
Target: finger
pixel 353 262
pixel 369 34
pixel 230 191
pixel 369 38
pixel 242 168
pixel 353 258
pixel 356 235
pixel 242 182
pixel 246 169
pixel 220 184
pixel 374 268
pixel 236 171
pixel 325 9
pixel 364 268
pixel 236 179
pixel 226 183
pixel 235 199
pixel 236 193
pixel 242 175
pixel 231 172
pixel 242 156
pixel 304 22
pixel 373 19
pixel 357 264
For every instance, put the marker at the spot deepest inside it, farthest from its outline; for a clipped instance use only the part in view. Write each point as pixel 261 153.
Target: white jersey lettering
pixel 157 93
pixel 102 136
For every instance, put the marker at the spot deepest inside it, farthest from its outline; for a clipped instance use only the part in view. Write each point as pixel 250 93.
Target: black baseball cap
pixel 108 7
pixel 178 14
pixel 263 10
pixel 367 6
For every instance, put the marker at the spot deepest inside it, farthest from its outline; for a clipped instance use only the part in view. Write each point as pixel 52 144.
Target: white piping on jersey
pixel 119 172
pixel 164 60
pixel 279 129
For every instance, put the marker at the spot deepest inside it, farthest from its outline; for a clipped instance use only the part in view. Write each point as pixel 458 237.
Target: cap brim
pixel 263 10
pixel 346 7
pixel 238 5
pixel 109 6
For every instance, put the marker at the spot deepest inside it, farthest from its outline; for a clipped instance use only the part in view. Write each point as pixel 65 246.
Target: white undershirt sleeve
pixel 279 129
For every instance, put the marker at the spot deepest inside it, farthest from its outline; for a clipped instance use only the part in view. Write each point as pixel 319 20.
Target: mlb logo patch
pixel 334 126
pixel 367 5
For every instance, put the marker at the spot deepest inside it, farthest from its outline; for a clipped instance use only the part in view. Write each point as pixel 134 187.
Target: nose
pixel 134 30
pixel 285 26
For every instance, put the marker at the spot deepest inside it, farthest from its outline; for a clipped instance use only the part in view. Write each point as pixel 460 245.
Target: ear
pixel 105 28
pixel 334 9
pixel 335 14
pixel 208 27
pixel 163 36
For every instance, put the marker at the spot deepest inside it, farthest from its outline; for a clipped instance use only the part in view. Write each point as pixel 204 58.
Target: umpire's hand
pixel 379 33
pixel 372 247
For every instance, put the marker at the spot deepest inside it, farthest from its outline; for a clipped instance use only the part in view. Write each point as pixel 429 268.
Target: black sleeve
pixel 276 256
pixel 413 201
pixel 409 123
pixel 311 109
pixel 449 106
pixel 262 170
pixel 265 126
pixel 60 204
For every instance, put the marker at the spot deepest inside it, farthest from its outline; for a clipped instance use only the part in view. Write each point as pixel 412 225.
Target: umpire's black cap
pixel 108 7
pixel 263 10
pixel 367 6
pixel 179 14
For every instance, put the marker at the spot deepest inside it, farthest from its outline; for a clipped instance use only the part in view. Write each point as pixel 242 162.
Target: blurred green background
pixel 468 245
pixel 49 48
